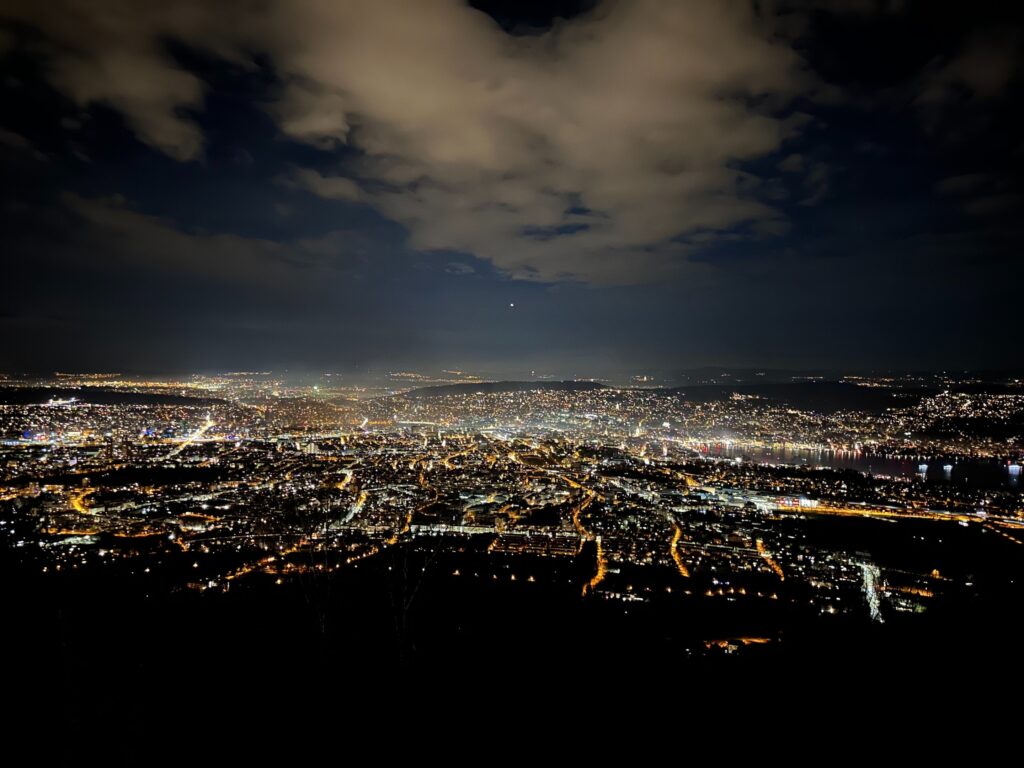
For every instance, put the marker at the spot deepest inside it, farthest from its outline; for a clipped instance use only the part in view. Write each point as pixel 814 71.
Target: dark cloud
pixel 984 194
pixel 122 239
pixel 15 140
pixel 987 205
pixel 792 163
pixel 981 70
pixel 966 183
pixel 816 184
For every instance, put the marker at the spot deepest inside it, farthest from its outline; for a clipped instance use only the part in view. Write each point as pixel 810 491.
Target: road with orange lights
pixel 767 557
pixel 674 548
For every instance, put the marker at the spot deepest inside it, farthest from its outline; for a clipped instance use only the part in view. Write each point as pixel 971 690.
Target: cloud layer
pixel 601 150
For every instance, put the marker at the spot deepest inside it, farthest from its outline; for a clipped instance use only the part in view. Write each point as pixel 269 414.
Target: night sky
pixel 581 189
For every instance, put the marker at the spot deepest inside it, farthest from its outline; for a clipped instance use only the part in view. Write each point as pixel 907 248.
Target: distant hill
pixel 501 387
pixel 727 376
pixel 96 396
pixel 821 396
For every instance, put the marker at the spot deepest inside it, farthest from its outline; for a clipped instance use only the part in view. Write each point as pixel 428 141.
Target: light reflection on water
pixel 964 471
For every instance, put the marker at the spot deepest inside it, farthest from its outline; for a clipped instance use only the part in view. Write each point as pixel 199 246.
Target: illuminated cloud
pixel 593 151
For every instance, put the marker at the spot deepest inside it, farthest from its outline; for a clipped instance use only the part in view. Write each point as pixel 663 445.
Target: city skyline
pixel 758 518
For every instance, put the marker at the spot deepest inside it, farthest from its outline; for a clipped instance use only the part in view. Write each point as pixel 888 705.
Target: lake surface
pixel 985 473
